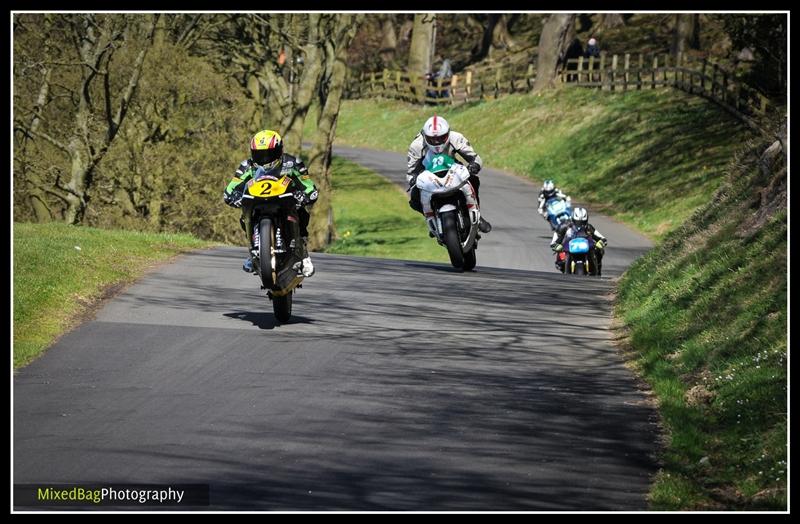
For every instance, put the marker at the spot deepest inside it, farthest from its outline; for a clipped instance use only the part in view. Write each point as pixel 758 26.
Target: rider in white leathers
pixel 435 138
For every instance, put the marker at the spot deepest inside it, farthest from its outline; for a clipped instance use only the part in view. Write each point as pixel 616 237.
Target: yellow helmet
pixel 266 149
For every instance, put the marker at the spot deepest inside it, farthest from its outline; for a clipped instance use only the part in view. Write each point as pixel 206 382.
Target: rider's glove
pixel 234 199
pixel 412 182
pixel 557 248
pixel 599 244
pixel 473 168
pixel 301 198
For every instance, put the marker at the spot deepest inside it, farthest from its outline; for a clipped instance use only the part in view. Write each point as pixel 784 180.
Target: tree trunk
pixel 388 40
pixel 419 55
pixel 322 230
pixel 611 20
pixel 553 44
pixel 686 34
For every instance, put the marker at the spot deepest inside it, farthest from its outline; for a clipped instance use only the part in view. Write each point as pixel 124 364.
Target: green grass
pixel 373 218
pixel 647 157
pixel 60 271
pixel 707 310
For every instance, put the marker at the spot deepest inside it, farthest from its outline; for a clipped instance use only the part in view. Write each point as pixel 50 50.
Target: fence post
pixel 590 76
pixel 714 80
pixel 468 86
pixel 725 87
pixel 529 77
pixel 613 72
pixel 627 75
pixel 497 83
pixel 703 78
pixel 453 85
pixel 763 100
pixel 385 81
pixel 580 68
pixel 602 70
pixel 666 68
pixel 679 70
pixel 398 85
pixel 639 72
pixel 653 75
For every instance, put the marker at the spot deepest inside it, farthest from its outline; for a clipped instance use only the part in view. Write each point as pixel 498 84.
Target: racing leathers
pixel 304 188
pixel 457 144
pixel 567 231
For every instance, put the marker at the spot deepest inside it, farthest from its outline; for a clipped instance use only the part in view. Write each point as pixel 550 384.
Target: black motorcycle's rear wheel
pixel 452 240
pixel 282 306
pixel 266 233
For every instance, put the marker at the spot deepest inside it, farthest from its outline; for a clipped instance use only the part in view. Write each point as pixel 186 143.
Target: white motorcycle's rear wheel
pixel 452 240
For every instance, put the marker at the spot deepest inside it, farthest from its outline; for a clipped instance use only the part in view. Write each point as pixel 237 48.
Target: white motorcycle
pixel 451 209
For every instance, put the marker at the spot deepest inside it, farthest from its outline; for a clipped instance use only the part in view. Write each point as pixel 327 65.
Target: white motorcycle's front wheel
pixel 452 240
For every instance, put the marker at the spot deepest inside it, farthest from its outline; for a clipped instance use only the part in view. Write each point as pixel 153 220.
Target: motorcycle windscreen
pixel 556 207
pixel 578 245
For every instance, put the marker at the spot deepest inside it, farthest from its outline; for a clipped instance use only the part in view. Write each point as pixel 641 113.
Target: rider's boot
pixel 483 225
pixel 247 267
pixel 308 268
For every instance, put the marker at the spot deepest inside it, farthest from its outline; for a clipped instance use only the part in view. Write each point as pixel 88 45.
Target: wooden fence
pixel 613 73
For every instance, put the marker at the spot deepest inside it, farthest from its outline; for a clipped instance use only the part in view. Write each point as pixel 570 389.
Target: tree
pixel 339 35
pixel 388 40
pixel 553 44
pixel 611 20
pixel 766 35
pixel 96 61
pixel 686 34
pixel 419 55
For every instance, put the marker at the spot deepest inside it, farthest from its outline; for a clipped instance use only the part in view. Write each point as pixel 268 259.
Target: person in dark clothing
pixel 579 226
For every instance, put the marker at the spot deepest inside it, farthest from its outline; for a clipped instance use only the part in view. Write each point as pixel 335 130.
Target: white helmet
pixel 580 217
pixel 436 134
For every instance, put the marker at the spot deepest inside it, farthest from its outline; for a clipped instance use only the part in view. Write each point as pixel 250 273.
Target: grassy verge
pixel 647 157
pixel 60 271
pixel 705 317
pixel 373 218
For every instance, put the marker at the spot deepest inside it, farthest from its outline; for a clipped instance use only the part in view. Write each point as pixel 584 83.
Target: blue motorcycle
pixel 558 211
pixel 580 258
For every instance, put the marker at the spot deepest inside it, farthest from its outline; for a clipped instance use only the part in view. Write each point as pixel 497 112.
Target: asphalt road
pixel 396 386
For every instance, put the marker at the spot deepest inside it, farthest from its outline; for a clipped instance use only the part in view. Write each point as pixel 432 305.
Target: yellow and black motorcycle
pixel 273 227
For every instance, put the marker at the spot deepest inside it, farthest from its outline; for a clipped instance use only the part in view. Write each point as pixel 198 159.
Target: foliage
pixel 705 317
pixel 46 304
pixel 766 35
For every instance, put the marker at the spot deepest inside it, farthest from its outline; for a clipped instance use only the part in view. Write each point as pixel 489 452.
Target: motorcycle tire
pixel 470 260
pixel 266 232
pixel 580 269
pixel 282 307
pixel 452 240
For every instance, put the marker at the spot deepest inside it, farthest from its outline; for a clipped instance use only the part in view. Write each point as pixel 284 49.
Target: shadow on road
pixel 265 319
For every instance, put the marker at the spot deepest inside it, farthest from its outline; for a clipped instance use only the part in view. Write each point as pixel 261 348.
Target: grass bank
pixel 373 218
pixel 61 271
pixel 705 321
pixel 648 158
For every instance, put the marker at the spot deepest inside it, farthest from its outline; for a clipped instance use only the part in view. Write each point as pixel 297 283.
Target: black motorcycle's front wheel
pixel 452 240
pixel 470 259
pixel 266 234
pixel 580 268
pixel 282 306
